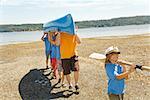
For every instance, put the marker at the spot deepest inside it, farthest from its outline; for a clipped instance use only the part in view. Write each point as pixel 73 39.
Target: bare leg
pixel 76 73
pixel 47 62
pixel 60 71
pixel 62 78
pixel 68 79
pixel 76 77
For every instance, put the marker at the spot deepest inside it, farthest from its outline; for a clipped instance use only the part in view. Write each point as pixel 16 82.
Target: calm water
pixel 19 37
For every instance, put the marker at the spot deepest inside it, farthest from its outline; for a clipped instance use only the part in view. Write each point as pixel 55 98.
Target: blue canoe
pixel 63 24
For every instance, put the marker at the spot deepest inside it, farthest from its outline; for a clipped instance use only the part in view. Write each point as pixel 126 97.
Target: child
pixel 47 47
pixel 116 73
pixel 54 38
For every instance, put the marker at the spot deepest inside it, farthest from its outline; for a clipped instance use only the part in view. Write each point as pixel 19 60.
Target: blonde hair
pixel 107 59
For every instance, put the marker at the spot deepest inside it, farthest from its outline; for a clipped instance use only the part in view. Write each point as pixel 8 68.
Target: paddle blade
pixel 97 56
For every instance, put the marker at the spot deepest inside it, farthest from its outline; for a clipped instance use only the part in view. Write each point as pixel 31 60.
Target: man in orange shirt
pixel 69 57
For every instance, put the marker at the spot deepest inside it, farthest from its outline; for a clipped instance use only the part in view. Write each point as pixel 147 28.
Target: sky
pixel 42 11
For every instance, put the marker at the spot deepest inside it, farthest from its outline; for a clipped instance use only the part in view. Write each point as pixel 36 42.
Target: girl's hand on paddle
pixel 132 68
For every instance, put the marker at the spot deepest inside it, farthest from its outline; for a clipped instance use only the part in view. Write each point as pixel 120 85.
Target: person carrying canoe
pixel 54 38
pixel 47 47
pixel 69 57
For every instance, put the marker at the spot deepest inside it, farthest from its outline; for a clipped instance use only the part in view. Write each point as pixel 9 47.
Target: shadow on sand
pixel 36 85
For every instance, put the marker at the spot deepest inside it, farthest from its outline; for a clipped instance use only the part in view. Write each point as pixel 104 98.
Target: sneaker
pixel 53 77
pixel 63 85
pixel 76 87
pixel 70 87
pixel 59 80
pixel 47 67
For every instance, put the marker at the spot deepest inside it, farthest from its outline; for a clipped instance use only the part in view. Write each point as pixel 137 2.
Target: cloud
pixel 73 3
pixel 81 9
pixel 52 3
pixel 11 2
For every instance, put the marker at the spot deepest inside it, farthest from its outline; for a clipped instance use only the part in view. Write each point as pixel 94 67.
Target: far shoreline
pixel 78 28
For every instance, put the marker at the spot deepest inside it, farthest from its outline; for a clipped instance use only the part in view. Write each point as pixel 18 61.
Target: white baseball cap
pixel 112 49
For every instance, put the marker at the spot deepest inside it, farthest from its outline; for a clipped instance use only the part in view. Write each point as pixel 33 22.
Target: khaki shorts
pixel 115 97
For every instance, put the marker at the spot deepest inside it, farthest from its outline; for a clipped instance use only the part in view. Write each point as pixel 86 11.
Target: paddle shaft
pixel 102 58
pixel 137 66
pixel 145 68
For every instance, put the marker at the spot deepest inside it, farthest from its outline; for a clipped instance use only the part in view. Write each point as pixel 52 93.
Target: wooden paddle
pixel 103 57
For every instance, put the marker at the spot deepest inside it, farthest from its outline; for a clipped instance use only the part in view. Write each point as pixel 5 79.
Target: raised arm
pixel 50 38
pixel 78 40
pixel 57 41
pixel 42 38
pixel 126 72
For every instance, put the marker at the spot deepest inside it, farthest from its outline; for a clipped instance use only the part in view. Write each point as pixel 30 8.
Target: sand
pixel 21 65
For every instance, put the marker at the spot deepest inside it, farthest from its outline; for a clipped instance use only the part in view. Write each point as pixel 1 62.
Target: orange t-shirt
pixel 67 45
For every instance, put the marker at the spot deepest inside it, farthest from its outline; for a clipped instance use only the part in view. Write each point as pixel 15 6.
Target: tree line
pixel 122 21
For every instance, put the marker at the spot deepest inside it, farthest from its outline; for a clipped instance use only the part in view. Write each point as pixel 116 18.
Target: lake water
pixel 20 37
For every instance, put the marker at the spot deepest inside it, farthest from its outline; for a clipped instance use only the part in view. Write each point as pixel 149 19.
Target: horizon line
pixel 81 20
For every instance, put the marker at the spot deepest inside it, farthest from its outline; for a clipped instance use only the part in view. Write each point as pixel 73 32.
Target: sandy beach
pixel 22 64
